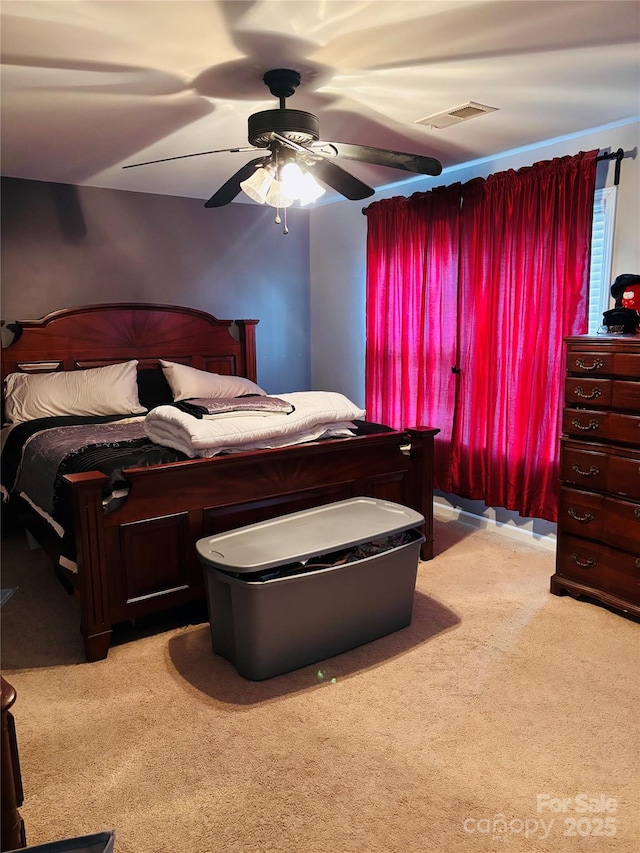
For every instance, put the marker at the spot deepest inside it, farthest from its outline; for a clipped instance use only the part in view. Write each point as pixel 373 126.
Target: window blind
pixel 604 210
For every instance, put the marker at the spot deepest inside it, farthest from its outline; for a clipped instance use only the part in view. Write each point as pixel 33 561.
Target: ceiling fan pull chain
pixel 278 219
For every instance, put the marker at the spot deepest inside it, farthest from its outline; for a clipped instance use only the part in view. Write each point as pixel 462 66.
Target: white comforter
pixel 318 414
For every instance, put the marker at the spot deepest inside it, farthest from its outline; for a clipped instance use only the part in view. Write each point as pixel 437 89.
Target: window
pixel 604 214
pixel 493 272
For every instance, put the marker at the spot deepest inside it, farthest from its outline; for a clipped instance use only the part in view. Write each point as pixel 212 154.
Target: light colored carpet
pixel 460 733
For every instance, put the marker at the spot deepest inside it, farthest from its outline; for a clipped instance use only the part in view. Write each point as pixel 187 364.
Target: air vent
pixel 455 115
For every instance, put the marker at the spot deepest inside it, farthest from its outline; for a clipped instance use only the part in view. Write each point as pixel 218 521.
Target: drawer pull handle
pixel 636 512
pixel 590 473
pixel 638 562
pixel 583 519
pixel 591 425
pixel 579 392
pixel 597 364
pixel 584 564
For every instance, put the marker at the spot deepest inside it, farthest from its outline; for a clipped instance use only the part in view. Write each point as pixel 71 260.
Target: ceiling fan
pixel 287 137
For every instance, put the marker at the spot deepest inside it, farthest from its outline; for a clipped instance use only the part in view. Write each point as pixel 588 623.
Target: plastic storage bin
pixel 100 842
pixel 290 591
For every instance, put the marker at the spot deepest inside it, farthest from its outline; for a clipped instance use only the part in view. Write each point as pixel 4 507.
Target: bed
pixel 139 557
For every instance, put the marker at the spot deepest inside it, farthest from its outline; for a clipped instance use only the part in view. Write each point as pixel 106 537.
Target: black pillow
pixel 153 388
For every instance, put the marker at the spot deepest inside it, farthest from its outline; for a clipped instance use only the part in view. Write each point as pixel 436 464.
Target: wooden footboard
pixel 141 558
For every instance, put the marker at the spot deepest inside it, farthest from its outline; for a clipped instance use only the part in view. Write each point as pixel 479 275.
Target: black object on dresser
pixel 598 553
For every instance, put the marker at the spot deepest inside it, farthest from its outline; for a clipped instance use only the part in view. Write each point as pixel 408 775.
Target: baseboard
pixel 447 512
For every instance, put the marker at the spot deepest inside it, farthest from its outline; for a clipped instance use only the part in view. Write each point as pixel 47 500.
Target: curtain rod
pixel 612 155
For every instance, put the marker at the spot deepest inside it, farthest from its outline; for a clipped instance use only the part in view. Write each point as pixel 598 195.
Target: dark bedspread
pixel 37 454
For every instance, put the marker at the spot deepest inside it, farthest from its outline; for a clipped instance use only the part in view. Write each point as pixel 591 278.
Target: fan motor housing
pixel 296 125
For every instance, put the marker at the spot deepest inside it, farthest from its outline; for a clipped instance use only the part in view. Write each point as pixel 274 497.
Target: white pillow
pixel 111 390
pixel 187 383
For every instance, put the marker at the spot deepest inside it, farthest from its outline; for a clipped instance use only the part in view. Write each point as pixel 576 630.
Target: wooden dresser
pixel 599 513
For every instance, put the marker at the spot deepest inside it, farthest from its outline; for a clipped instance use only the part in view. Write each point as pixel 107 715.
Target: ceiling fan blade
pixel 336 178
pixel 184 156
pixel 384 157
pixel 230 189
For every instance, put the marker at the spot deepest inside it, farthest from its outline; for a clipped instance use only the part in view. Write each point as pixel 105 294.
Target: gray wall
pixel 64 246
pixel 338 250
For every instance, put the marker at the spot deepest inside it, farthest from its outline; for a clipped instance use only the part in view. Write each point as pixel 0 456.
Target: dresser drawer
pixel 586 468
pixel 588 392
pixel 594 362
pixel 601 517
pixel 601 468
pixel 602 393
pixel 627 364
pixel 590 363
pixel 624 476
pixel 596 425
pixel 599 566
pixel 625 395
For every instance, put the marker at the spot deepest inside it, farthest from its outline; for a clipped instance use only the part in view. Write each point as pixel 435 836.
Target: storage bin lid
pixel 301 535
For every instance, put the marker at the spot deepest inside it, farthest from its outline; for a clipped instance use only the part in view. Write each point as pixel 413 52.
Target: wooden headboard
pixel 98 335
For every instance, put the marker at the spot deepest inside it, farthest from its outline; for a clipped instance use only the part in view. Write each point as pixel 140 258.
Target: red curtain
pixel 489 284
pixel 412 280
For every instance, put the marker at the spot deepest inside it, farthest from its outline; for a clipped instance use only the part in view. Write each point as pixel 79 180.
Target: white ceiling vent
pixel 454 116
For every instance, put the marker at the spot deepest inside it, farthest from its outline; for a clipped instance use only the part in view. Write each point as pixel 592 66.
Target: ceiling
pixel 89 86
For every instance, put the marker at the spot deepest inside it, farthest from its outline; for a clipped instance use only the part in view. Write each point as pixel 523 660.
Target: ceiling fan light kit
pixel 298 157
pixel 257 185
pixel 281 186
pixel 300 185
pixel 276 196
pixel 310 189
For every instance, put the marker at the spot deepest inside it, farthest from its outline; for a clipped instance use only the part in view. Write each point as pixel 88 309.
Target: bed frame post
pixel 247 333
pixel 93 581
pixel 422 481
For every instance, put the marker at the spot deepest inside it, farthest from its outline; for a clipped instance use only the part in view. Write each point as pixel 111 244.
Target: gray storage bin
pixel 100 842
pixel 291 591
